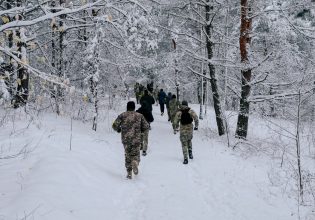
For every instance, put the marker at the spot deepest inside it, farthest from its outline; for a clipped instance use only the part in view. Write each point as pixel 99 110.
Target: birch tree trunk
pixel 176 68
pixel 11 81
pixel 22 73
pixel 213 80
pixel 95 78
pixel 246 23
pixel 298 149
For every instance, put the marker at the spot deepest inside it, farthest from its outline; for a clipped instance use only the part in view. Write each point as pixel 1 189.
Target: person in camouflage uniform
pixel 131 124
pixel 173 108
pixel 186 129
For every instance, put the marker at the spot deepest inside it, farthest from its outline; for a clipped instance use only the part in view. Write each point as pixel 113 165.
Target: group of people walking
pixel 151 95
pixel 134 126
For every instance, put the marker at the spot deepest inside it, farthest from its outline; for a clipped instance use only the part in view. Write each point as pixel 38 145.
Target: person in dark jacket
pixel 167 102
pixel 144 110
pixel 150 87
pixel 162 97
pixel 148 99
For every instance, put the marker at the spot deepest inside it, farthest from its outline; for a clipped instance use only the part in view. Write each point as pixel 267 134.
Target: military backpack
pixel 186 118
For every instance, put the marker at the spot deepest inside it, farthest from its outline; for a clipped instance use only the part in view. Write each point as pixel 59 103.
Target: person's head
pixel 169 94
pixel 161 90
pixel 131 106
pixel 184 103
pixel 173 96
pixel 146 92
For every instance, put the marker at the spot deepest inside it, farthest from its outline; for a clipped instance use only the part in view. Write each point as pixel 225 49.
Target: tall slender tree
pixel 244 41
pixel 213 80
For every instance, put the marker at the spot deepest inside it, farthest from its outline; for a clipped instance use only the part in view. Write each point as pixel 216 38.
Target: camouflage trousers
pixel 168 112
pixel 185 139
pixel 132 153
pixel 172 120
pixel 145 140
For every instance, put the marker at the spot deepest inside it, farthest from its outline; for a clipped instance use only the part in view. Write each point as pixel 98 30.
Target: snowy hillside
pixel 47 181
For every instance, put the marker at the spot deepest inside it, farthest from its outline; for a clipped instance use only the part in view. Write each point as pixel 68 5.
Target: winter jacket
pixel 148 99
pixel 162 97
pixel 168 99
pixel 131 124
pixel 145 111
pixel 186 131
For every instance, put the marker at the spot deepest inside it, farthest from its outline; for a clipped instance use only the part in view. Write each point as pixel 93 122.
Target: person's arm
pixel 195 117
pixel 144 124
pixel 117 124
pixel 176 120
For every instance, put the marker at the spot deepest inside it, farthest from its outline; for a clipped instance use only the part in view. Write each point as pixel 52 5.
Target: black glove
pixel 196 128
pixel 119 130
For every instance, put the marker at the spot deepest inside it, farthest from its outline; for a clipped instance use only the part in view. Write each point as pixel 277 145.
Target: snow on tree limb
pixel 48 16
pixel 50 78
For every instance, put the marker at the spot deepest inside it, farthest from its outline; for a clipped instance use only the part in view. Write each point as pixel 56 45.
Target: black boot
pixel 129 175
pixel 190 154
pixel 185 161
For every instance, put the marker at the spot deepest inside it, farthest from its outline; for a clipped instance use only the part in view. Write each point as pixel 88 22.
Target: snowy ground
pixel 50 182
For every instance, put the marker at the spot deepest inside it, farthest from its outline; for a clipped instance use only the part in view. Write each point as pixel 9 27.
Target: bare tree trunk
pixel 201 99
pixel 22 74
pixel 95 98
pixel 298 148
pixel 95 80
pixel 176 68
pixel 246 23
pixel 213 80
pixel 53 55
pixel 59 94
pixel 10 81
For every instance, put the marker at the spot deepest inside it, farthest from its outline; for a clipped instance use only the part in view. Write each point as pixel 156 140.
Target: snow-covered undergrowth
pixel 41 178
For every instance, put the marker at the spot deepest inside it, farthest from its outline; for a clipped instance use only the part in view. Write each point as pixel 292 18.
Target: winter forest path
pixel 89 181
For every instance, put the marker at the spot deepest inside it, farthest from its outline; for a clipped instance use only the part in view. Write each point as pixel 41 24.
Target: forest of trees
pixel 255 55
pixel 247 56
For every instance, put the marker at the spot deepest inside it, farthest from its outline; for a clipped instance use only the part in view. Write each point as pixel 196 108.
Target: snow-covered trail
pixel 89 182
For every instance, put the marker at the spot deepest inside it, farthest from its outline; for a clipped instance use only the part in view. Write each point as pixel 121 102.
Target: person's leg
pixel 184 143
pixel 128 160
pixel 162 108
pixel 168 113
pixel 172 121
pixel 135 158
pixel 145 142
pixel 190 149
